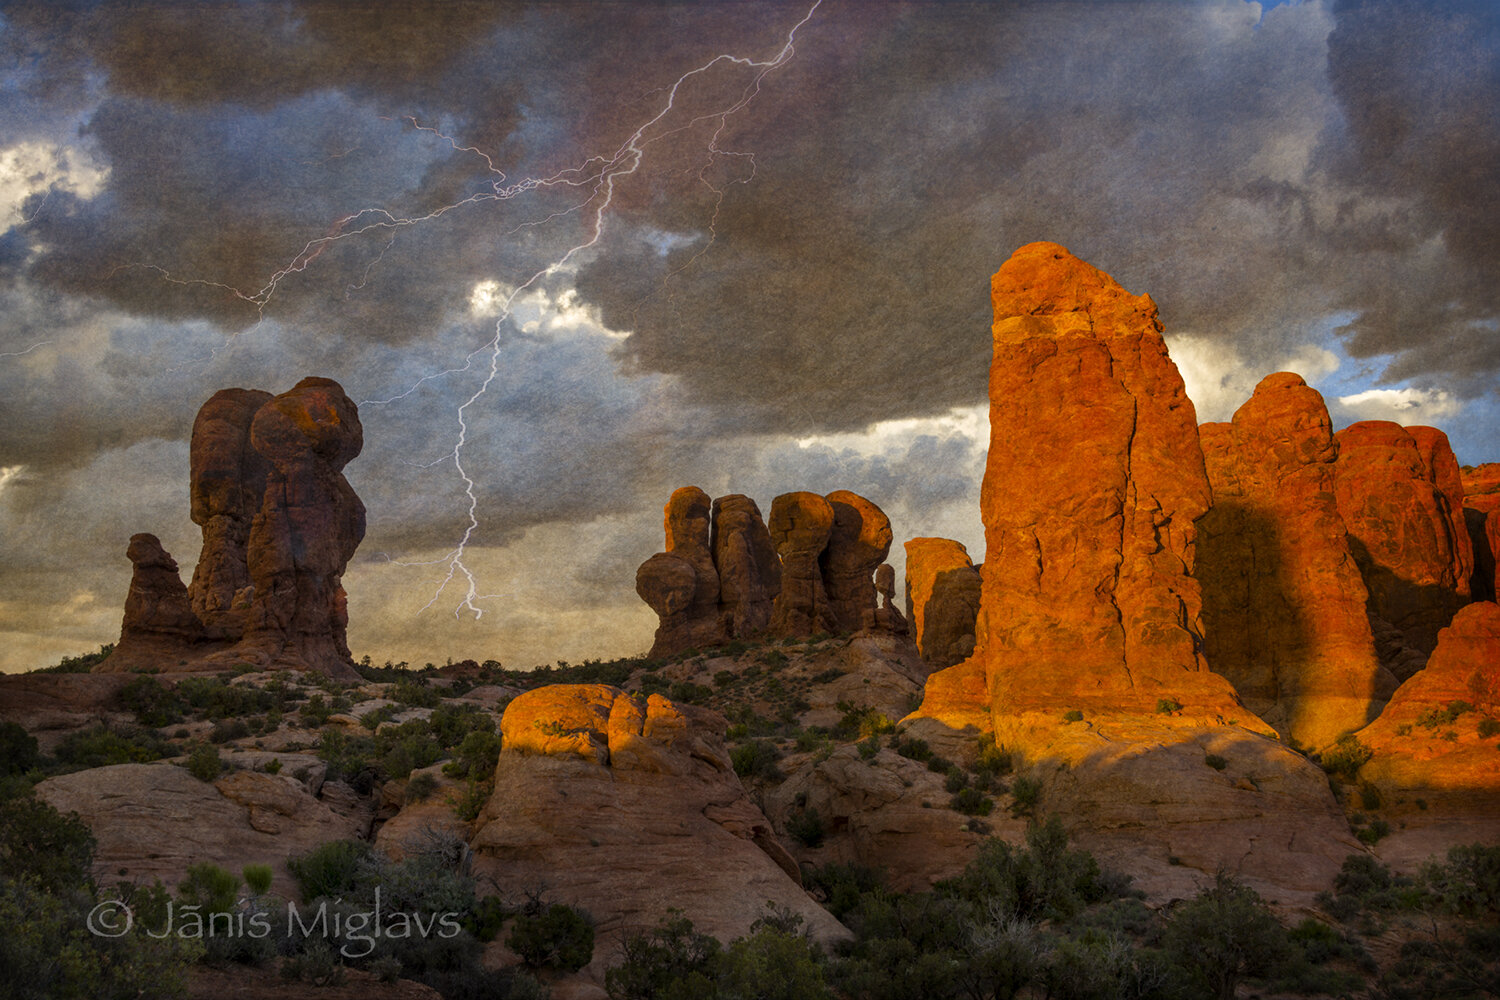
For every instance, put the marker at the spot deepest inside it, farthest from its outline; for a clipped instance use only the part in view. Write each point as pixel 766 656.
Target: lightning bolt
pixel 33 347
pixel 596 179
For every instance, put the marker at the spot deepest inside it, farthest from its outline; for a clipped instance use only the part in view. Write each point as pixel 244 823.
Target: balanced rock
pixel 309 524
pixel 1092 484
pixel 888 617
pixel 1399 494
pixel 942 599
pixel 1283 600
pixel 857 545
pixel 801 524
pixel 627 808
pixel 228 482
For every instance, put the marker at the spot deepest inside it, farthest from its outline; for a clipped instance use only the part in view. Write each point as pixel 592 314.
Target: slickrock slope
pixel 942 599
pixel 154 820
pixel 626 809
pixel 280 523
pixel 726 574
pixel 1399 493
pixel 1283 600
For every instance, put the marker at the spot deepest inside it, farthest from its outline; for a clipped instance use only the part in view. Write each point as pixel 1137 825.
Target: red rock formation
pixel 309 524
pixel 942 599
pixel 748 568
pixel 159 626
pixel 228 483
pixel 1092 485
pixel 801 524
pixel 1283 600
pixel 858 544
pixel 1481 486
pixel 1400 497
pixel 888 617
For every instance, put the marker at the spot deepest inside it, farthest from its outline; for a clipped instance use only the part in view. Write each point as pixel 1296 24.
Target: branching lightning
pixel 596 179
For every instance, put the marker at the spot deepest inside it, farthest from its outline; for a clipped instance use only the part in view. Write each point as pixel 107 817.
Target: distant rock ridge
pixel 726 574
pixel 280 523
pixel 1284 604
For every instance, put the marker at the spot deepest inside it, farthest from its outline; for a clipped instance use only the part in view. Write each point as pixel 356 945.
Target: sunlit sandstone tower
pixel 1093 482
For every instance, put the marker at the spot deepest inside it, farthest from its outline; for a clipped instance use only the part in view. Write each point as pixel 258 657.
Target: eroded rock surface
pixel 748 567
pixel 626 808
pixel 159 624
pixel 1399 494
pixel 857 546
pixel 942 599
pixel 1283 600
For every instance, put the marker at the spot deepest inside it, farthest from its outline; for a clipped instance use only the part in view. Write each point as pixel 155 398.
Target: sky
pixel 568 257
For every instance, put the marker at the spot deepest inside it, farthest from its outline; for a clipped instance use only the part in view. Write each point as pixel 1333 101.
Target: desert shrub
pixel 688 692
pixel 843 885
pixel 81 664
pixel 229 729
pixel 103 745
pixel 476 756
pixel 1167 706
pixel 204 763
pixel 1045 880
pixel 420 787
pixel 1073 715
pixel 1468 880
pixel 471 802
pixel 756 759
pixel 43 847
pixel 316 711
pixel 670 961
pixel 1445 716
pixel 940 765
pixel 1369 796
pixel 861 722
pixel 868 747
pixel 153 704
pixel 257 878
pixel 372 719
pixel 210 887
pixel 1223 936
pixel 913 749
pixel 972 802
pixel 18 749
pixel 1026 794
pixel 1346 757
pixel 1216 762
pixel 956 781
pixel 414 693
pixel 994 760
pixel 212 698
pixel 1488 728
pixel 806 825
pixel 771 964
pixel 1373 833
pixel 724 678
pixel 561 937
pixel 330 869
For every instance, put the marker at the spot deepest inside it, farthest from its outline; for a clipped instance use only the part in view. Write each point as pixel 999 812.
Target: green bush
pixel 1373 833
pixel 420 787
pixel 972 802
pixel 331 869
pixel 1488 728
pixel 204 763
pixel 1026 794
pixel 257 878
pixel 1167 706
pixel 994 760
pixel 1045 880
pixel 79 664
pixel 1346 757
pixel 414 693
pixel 473 800
pixel 18 749
pixel 153 704
pixel 756 759
pixel 210 887
pixel 476 756
pixel 841 886
pixel 103 745
pixel 670 962
pixel 41 846
pixel 1468 880
pixel 1073 715
pixel 1223 936
pixel 560 937
pixel 1216 762
pixel 229 729
pixel 806 826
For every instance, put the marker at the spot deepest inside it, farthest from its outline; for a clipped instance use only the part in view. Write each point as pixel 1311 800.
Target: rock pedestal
pixel 942 599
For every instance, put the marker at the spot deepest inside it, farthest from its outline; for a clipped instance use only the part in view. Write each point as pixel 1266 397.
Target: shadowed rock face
pixel 942 599
pixel 228 484
pixel 1092 485
pixel 749 570
pixel 280 523
pixel 801 524
pixel 1481 486
pixel 857 545
pixel 1399 493
pixel 1283 600
pixel 309 524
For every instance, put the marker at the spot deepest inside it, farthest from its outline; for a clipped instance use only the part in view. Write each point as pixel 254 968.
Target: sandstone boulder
pixel 227 485
pixel 942 599
pixel 801 524
pixel 1283 600
pixel 627 808
pixel 857 545
pixel 1400 497
pixel 154 820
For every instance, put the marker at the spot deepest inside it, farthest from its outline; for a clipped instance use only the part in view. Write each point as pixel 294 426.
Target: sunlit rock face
pixel 942 599
pixel 1401 497
pixel 726 574
pixel 280 523
pixel 626 807
pixel 1092 485
pixel 1283 600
